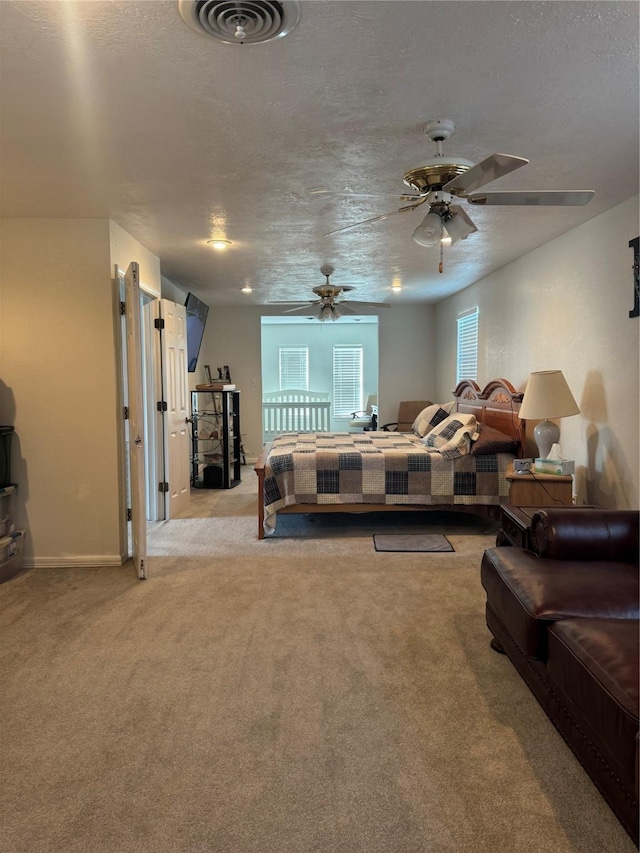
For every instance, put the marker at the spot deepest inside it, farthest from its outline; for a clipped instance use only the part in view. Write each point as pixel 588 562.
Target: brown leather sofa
pixel 567 617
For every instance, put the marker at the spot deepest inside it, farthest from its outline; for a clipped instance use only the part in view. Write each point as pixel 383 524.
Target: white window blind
pixel 347 381
pixel 467 358
pixel 294 368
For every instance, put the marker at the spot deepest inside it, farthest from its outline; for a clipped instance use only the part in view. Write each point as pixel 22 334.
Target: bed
pixel 378 471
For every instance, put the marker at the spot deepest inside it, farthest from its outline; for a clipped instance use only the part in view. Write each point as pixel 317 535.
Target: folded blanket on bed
pixel 376 468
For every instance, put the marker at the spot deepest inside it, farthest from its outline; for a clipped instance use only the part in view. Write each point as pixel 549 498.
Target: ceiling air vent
pixel 250 22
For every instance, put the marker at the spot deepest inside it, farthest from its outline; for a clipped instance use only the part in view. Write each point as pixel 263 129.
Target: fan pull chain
pixel 441 264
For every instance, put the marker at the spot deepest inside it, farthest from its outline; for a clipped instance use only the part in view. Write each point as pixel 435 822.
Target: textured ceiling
pixel 119 110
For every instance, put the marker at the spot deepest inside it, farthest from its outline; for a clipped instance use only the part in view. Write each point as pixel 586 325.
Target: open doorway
pixel 332 368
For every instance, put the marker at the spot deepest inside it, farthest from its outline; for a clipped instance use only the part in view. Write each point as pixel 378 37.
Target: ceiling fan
pixel 437 180
pixel 329 305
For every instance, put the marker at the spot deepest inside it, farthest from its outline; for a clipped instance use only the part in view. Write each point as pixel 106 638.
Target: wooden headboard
pixel 496 405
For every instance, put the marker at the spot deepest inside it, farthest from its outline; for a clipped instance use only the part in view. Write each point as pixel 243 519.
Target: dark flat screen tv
pixel 196 319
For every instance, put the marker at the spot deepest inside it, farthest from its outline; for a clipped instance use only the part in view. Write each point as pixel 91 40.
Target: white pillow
pixel 452 437
pixel 430 417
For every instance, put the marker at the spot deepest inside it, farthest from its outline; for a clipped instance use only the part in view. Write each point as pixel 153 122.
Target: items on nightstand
pixel 554 466
pixel 534 489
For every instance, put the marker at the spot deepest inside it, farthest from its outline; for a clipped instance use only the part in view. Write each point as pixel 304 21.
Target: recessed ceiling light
pixel 219 244
pixel 396 284
pixel 247 289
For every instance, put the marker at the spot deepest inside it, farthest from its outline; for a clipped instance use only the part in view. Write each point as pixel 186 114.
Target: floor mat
pixel 411 542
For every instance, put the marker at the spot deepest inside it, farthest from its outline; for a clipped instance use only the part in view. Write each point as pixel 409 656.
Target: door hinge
pixel 123 309
pixel 163 487
pixel 129 514
pixel 162 406
pixel 125 413
pixel 158 323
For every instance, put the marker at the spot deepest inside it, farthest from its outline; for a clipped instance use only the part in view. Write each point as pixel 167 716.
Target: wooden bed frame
pixel 496 405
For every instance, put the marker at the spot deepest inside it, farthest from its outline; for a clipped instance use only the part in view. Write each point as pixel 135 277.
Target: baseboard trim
pixel 81 561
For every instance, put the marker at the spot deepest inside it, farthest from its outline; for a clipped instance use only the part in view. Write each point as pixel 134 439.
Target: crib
pixel 295 410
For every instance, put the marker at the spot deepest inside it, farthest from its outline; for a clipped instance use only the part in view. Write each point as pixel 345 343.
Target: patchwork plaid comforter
pixel 375 468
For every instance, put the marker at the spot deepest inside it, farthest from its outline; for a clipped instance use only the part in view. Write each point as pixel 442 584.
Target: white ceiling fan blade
pixel 377 218
pixel 400 196
pixel 306 307
pixel 534 199
pixel 487 170
pixel 346 302
pixel 460 225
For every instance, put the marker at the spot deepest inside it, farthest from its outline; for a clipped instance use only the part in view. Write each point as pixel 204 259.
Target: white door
pixel 176 396
pixel 136 420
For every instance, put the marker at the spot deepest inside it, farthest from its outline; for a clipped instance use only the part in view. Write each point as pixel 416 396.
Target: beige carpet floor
pixel 303 694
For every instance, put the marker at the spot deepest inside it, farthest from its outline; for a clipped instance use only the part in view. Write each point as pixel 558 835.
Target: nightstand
pixel 533 489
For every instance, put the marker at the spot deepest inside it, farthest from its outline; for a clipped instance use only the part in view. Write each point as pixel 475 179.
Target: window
pixel 294 368
pixel 467 358
pixel 347 381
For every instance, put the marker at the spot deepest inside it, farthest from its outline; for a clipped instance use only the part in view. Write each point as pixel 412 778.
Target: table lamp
pixel 547 395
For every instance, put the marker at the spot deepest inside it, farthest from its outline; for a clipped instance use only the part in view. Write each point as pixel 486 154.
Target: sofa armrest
pixel 586 534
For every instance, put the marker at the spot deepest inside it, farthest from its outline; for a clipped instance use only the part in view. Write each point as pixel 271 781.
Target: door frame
pixel 152 391
pixel 134 421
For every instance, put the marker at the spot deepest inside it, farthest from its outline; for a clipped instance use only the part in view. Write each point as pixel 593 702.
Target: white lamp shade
pixel 429 232
pixel 547 395
pixel 458 227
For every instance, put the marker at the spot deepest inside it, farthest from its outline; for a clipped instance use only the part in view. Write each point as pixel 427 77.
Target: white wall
pixel 406 370
pixel 566 305
pixel 59 377
pixel 125 249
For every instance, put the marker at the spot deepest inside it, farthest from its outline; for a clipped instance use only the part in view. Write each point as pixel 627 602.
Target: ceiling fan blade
pixel 487 170
pixel 534 199
pixel 377 218
pixel 305 307
pixel 345 306
pixel 350 302
pixel 400 196
pixel 460 225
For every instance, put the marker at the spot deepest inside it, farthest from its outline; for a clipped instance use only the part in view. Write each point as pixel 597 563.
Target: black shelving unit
pixel 11 539
pixel 215 439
